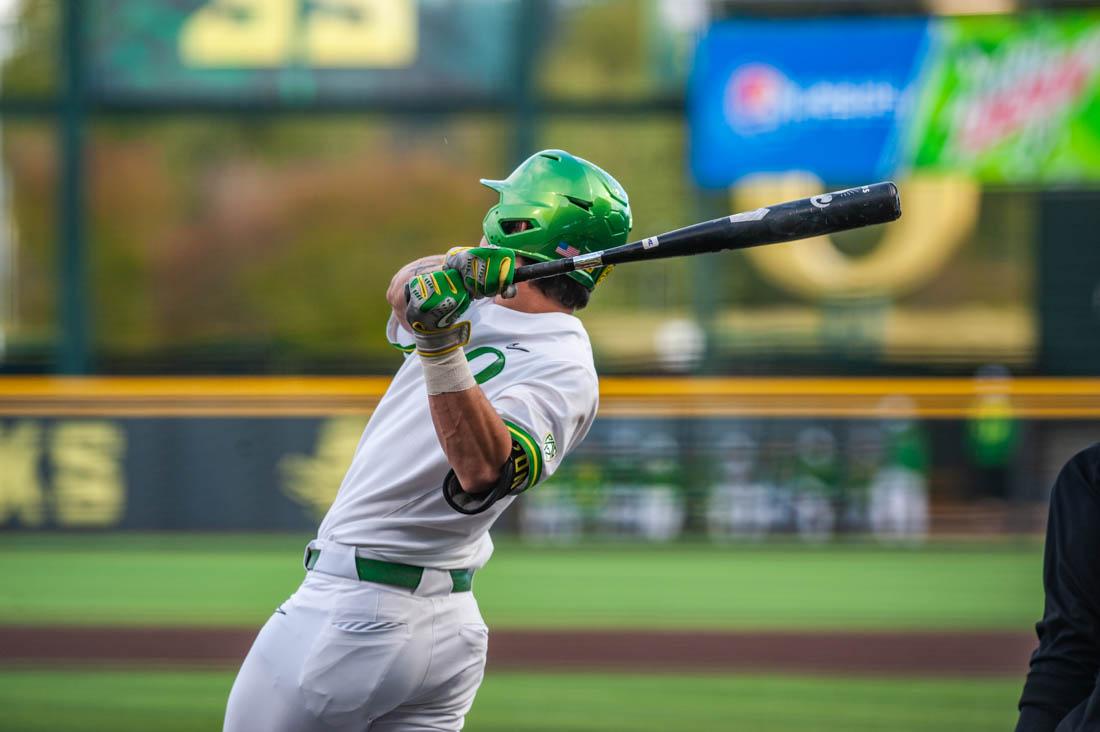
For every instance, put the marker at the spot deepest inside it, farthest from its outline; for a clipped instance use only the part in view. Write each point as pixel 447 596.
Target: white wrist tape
pixel 447 373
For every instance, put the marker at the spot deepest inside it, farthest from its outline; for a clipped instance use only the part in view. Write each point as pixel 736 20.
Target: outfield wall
pixel 724 458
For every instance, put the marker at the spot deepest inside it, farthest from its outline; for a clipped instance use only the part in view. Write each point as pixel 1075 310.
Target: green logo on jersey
pixel 495 366
pixel 549 447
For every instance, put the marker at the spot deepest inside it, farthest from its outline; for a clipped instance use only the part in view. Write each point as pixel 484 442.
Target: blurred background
pixel 815 494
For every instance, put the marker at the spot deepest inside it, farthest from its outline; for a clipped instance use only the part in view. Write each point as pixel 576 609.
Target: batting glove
pixel 486 271
pixel 434 301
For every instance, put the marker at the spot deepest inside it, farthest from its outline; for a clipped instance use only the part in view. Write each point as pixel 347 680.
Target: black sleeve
pixel 1085 717
pixel 1065 666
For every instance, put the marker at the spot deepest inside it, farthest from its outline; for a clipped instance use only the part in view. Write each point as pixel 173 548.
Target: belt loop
pixel 334 558
pixel 433 582
pixel 312 549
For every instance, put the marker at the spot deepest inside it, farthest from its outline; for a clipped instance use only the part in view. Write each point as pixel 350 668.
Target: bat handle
pixel 538 270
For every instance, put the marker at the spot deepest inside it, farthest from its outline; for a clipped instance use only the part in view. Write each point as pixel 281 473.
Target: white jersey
pixel 536 370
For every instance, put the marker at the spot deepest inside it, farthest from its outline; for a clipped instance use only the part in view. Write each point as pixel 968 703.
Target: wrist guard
pixel 436 343
pixel 443 360
pixel 446 374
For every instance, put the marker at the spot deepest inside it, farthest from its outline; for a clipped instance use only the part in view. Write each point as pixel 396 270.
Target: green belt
pixel 400 575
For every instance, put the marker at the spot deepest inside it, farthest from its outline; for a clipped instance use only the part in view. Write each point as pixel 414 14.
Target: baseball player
pixel 498 386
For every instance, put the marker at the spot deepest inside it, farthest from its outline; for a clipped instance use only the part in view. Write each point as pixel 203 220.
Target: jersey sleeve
pixel 398 337
pixel 548 413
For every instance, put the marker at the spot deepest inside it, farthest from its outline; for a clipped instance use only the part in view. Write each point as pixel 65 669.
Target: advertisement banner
pixel 1006 99
pixel 826 96
pixel 1013 99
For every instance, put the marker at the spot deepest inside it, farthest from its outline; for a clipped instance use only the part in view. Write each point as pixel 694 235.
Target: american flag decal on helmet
pixel 567 251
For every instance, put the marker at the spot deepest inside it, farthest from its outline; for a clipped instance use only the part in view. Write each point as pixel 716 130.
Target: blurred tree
pixel 30 161
pixel 281 236
pixel 28 70
pixel 599 49
pixel 30 67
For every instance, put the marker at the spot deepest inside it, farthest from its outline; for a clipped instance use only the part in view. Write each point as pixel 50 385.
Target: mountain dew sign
pixel 1004 98
pixel 1013 99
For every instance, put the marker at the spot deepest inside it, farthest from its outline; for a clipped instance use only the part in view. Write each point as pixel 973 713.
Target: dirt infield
pixel 894 653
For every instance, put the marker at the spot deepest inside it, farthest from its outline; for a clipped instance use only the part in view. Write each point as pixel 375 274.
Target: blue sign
pixel 825 96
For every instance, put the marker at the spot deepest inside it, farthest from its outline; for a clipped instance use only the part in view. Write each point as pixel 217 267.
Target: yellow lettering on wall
pixel 88 486
pixel 313 480
pixel 378 33
pixel 21 494
pixel 273 33
pixel 239 33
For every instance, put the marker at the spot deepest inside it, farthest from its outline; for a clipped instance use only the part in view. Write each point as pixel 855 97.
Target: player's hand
pixel 434 302
pixel 395 293
pixel 486 271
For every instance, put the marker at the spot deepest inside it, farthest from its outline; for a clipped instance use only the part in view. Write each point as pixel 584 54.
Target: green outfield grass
pixel 217 579
pixel 125 701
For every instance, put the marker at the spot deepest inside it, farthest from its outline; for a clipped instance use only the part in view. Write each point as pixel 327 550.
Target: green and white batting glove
pixel 434 301
pixel 486 271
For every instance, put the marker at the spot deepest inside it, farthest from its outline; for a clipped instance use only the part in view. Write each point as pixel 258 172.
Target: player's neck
pixel 530 299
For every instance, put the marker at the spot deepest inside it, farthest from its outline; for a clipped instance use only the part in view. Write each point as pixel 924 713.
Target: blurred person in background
pixel 617 513
pixel 661 471
pixel 815 484
pixel 993 432
pixel 384 631
pixel 899 491
pixel 644 497
pixel 863 460
pixel 741 504
pixel 552 514
pixel 1061 692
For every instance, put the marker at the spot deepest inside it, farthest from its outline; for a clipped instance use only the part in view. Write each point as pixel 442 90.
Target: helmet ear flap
pixel 604 274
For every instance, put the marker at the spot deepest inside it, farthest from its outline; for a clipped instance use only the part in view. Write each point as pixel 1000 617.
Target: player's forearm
pixel 473 436
pixel 395 293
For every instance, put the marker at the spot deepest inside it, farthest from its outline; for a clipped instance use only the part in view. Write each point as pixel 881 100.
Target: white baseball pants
pixel 342 654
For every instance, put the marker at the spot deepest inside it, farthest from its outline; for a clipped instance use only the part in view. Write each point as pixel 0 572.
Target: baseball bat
pixel 827 213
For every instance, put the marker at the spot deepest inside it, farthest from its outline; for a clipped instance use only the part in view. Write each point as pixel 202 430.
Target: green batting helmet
pixel 570 205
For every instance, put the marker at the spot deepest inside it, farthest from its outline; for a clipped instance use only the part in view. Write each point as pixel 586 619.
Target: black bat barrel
pixel 824 214
pixel 814 216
